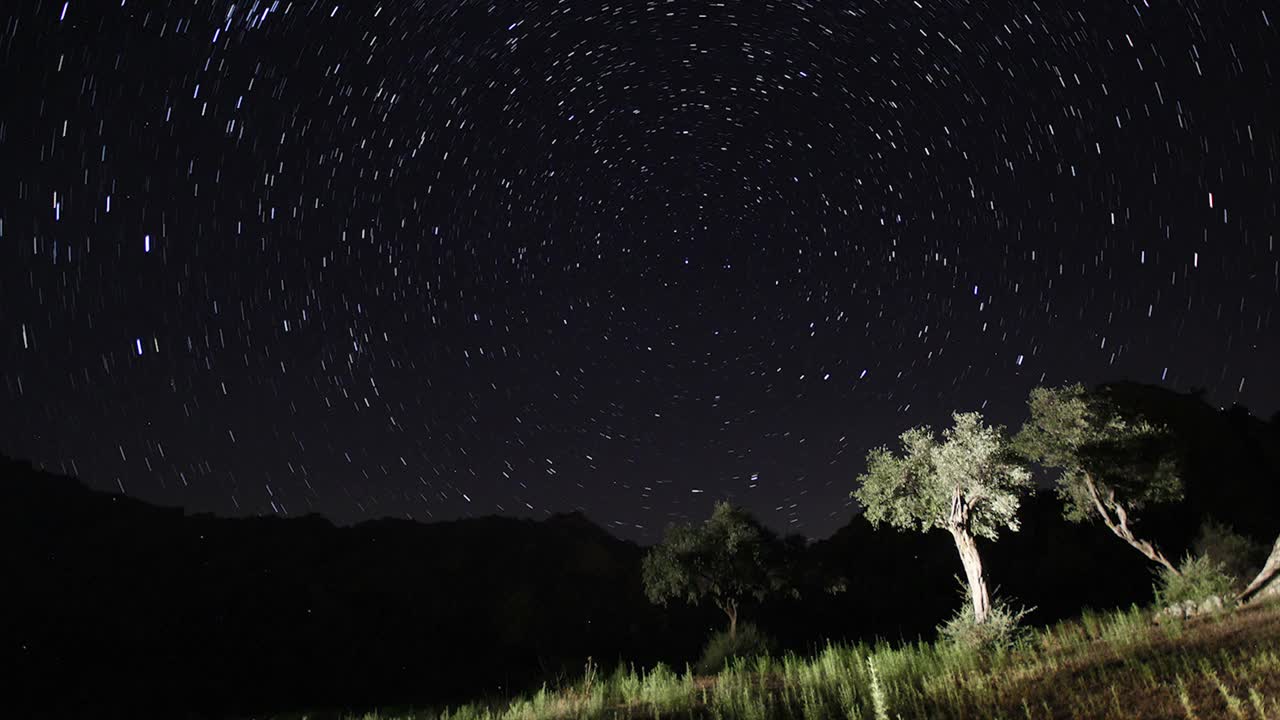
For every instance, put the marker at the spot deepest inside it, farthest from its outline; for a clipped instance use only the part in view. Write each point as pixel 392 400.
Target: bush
pixel 660 686
pixel 1201 579
pixel 1002 629
pixel 720 649
pixel 1239 556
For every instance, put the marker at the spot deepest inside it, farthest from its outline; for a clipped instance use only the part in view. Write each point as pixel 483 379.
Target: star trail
pixel 447 259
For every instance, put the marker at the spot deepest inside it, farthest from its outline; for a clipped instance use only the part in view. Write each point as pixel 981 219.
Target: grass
pixel 1112 665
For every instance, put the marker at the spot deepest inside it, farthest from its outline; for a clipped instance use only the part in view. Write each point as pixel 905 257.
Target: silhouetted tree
pixel 1111 464
pixel 729 558
pixel 968 484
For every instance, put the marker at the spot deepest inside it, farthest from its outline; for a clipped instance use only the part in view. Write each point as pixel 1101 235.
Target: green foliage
pixel 1087 438
pixel 660 686
pixel 1238 555
pixel 1002 629
pixel 915 490
pixel 879 699
pixel 729 558
pixel 1201 578
pixel 748 643
pixel 626 683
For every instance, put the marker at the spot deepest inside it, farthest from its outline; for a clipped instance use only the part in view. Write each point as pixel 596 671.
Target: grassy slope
pixel 1118 665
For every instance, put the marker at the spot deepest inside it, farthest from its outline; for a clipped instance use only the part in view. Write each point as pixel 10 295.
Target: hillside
pixel 1099 667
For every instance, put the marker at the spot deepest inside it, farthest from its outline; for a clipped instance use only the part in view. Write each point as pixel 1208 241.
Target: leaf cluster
pixel 1086 436
pixel 916 488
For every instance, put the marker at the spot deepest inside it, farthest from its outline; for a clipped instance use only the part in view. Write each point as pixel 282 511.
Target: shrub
pixel 1002 629
pixel 749 643
pixel 1201 579
pixel 627 683
pixel 661 687
pixel 1239 556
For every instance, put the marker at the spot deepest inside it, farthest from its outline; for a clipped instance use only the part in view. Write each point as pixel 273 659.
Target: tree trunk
pixel 968 549
pixel 958 524
pixel 731 609
pixel 1116 519
pixel 1268 580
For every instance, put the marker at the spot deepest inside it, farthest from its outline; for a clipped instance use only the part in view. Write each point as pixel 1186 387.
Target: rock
pixel 1177 611
pixel 1210 605
pixel 1190 608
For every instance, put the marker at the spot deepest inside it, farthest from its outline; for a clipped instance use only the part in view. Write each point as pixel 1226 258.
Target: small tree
pixel 1111 466
pixel 968 484
pixel 730 558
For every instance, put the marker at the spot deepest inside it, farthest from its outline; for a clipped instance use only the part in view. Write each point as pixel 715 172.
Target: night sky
pixel 447 259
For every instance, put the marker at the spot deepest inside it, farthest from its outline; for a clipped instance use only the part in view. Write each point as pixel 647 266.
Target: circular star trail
pixel 446 259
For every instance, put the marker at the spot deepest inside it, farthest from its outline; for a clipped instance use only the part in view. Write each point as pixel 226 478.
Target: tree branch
pixel 1120 524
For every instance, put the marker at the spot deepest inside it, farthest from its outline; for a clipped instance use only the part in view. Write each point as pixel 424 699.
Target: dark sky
pixel 443 259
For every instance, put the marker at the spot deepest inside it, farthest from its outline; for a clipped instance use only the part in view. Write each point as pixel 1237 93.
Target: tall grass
pixel 1117 664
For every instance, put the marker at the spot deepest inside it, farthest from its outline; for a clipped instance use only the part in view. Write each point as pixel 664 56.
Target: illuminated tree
pixel 968 483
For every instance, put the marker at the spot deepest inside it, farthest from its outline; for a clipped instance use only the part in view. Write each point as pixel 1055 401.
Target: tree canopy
pixel 917 489
pixel 729 558
pixel 1110 463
